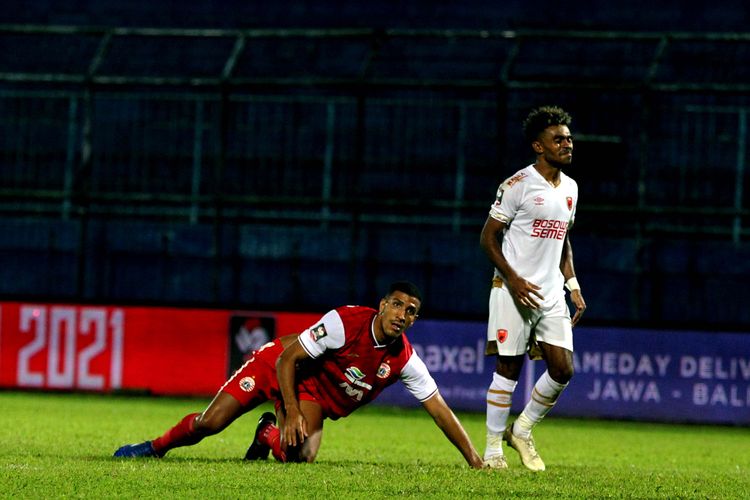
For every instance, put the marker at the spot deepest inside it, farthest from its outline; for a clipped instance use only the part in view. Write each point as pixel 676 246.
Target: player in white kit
pixel 526 239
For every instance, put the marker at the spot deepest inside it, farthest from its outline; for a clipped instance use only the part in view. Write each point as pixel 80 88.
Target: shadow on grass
pixel 322 462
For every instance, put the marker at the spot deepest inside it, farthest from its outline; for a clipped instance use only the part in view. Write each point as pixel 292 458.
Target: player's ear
pixel 537 147
pixel 382 307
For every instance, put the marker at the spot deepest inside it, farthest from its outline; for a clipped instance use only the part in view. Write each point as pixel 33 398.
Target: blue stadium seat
pixel 40 257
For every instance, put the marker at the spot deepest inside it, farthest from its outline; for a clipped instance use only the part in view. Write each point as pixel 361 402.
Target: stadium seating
pixel 147 166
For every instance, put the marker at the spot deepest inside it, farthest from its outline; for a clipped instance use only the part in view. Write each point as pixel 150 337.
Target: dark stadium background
pixel 298 155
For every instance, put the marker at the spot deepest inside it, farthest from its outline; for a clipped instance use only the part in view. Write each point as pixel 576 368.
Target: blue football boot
pixel 144 449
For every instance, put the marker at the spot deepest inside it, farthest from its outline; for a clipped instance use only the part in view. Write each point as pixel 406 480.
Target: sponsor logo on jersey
pixel 318 332
pixel 546 228
pixel 355 376
pixel 351 391
pixel 513 180
pixel 384 370
pixel 247 384
pixel 353 373
pixel 502 335
pixel 569 199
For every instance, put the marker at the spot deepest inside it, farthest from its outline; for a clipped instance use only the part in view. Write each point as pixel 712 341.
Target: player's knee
pixel 307 456
pixel 208 424
pixel 307 452
pixel 300 458
pixel 561 374
pixel 298 454
pixel 509 366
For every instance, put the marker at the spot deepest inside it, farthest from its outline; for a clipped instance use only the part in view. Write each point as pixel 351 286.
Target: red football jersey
pixel 349 368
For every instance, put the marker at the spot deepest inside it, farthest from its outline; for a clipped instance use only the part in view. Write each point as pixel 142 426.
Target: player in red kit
pixel 329 370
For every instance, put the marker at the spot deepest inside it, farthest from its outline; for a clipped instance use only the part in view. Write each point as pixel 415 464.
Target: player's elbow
pixel 438 410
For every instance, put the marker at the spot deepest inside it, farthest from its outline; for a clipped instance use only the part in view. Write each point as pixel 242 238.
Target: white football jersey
pixel 537 217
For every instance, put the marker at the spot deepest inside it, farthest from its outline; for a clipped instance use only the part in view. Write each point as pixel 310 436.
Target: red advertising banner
pixel 620 373
pixel 164 351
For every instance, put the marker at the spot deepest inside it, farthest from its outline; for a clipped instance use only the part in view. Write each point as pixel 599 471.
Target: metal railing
pixel 347 78
pixel 363 128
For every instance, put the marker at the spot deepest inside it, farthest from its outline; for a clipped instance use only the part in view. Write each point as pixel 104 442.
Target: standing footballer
pixel 526 239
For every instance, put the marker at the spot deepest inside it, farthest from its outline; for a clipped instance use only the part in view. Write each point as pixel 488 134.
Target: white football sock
pixel 543 398
pixel 498 409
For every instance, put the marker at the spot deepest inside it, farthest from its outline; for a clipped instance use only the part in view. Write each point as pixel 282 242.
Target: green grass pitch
pixel 55 445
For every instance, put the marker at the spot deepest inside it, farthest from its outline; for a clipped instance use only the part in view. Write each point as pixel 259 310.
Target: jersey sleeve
pixel 328 333
pixel 417 378
pixel 575 204
pixel 507 200
pixel 571 191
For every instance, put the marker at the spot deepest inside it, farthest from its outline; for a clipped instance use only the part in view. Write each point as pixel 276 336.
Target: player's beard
pixel 560 164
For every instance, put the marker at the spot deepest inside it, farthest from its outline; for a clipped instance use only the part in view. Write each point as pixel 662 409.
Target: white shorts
pixel 511 326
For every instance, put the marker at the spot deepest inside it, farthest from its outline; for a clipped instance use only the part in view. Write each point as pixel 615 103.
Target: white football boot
pixel 493 454
pixel 525 448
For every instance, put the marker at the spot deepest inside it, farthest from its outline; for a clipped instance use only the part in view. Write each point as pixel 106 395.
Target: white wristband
pixel 572 284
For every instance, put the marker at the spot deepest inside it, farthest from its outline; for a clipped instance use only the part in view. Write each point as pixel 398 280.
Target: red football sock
pixel 181 434
pixel 271 436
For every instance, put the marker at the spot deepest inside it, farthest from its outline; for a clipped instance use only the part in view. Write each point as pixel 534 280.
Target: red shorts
pixel 255 381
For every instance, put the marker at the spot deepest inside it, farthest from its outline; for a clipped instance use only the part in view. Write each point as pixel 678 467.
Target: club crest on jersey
pixel 569 199
pixel 318 332
pixel 384 370
pixel 502 335
pixel 247 384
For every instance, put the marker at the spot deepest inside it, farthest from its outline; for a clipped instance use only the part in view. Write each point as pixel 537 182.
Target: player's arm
pixel 422 386
pixel 295 427
pixel 569 274
pixel 490 240
pixel 328 333
pixel 447 421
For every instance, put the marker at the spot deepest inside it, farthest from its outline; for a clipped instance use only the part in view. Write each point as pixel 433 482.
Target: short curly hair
pixel 406 287
pixel 542 117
